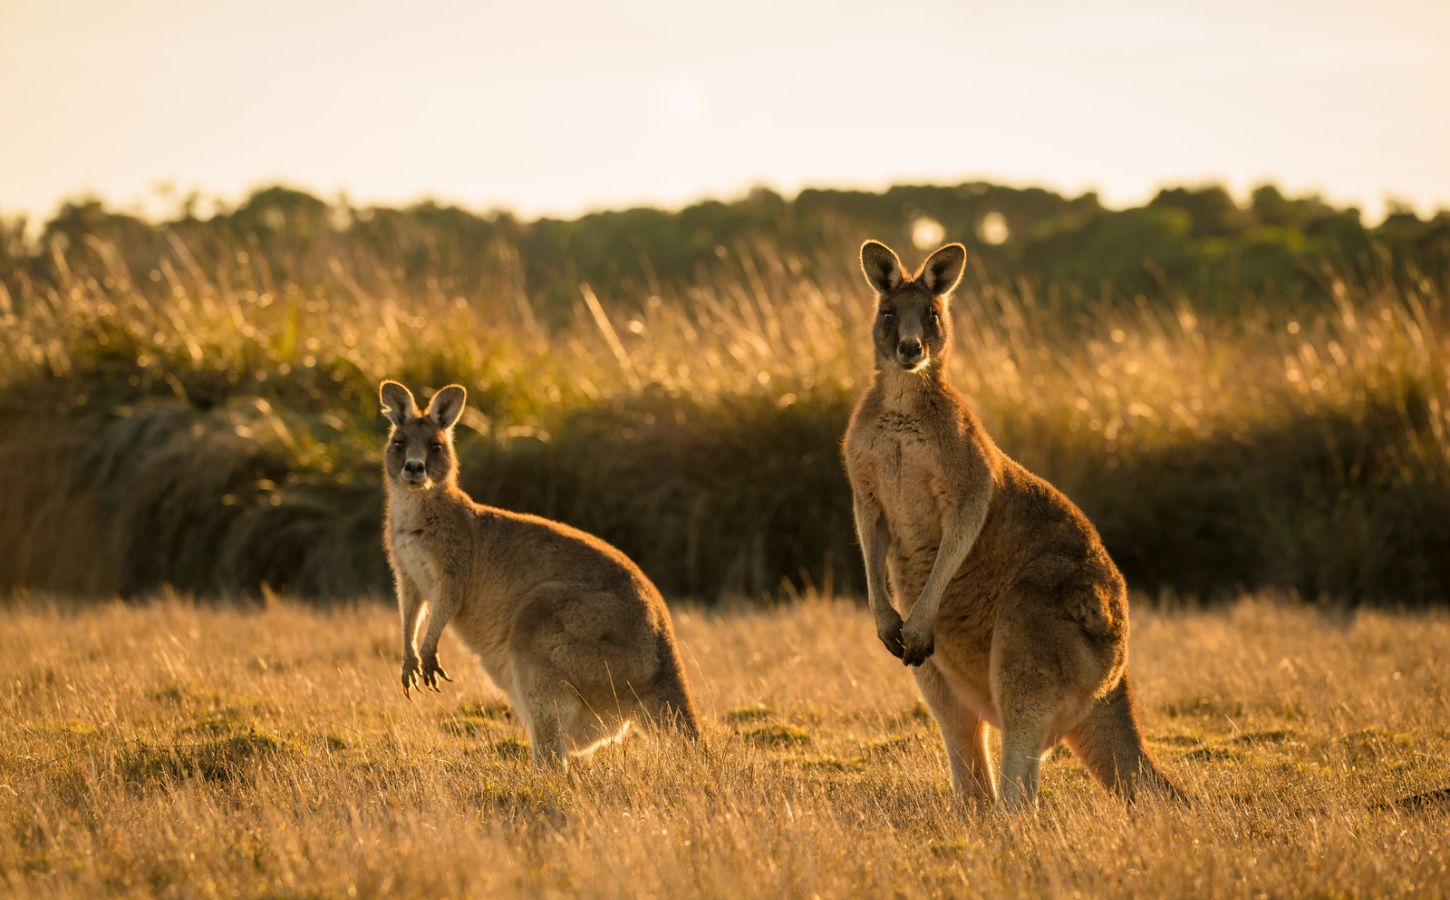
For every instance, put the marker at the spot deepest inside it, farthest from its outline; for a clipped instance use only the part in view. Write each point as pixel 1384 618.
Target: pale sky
pixel 560 107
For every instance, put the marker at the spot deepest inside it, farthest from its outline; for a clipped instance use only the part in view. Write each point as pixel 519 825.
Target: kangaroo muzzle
pixel 415 471
pixel 909 352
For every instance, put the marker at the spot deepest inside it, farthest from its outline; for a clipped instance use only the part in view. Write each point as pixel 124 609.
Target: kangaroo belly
pixel 908 487
pixel 908 564
pixel 483 631
pixel 971 684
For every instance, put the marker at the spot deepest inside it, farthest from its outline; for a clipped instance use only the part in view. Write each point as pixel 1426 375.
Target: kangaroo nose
pixel 909 351
pixel 413 467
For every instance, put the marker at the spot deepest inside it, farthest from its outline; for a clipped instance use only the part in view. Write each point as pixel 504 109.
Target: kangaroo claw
pixel 432 671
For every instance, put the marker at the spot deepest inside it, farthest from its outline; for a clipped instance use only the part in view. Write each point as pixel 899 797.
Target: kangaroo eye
pixel 933 318
pixel 887 315
pixel 435 447
pixel 397 445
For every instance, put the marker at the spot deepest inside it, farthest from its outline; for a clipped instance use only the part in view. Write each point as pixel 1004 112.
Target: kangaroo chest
pixel 902 469
pixel 416 559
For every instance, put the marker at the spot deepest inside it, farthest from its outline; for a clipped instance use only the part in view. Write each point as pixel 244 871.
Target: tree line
pixel 1195 241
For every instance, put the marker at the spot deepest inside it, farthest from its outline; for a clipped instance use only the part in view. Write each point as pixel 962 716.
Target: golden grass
pixel 187 749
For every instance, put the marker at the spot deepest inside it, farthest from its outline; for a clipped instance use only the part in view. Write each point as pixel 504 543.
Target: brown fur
pixel 1015 615
pixel 565 624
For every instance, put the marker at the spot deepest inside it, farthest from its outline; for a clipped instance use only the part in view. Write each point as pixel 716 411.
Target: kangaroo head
pixel 420 446
pixel 912 329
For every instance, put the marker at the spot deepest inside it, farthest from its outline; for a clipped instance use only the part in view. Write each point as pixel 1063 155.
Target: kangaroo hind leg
pixel 1034 671
pixel 963 734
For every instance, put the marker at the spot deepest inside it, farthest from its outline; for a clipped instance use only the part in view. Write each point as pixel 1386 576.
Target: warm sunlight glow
pixel 927 233
pixel 993 229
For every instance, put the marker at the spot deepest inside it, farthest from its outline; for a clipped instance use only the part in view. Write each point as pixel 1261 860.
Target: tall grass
pixel 217 429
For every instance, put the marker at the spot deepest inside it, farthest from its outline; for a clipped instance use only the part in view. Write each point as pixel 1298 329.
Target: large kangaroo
pixel 566 625
pixel 1015 615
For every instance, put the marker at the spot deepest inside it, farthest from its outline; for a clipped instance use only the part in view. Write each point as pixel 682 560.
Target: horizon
pixel 562 112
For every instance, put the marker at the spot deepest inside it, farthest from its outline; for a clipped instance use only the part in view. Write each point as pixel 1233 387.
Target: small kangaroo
pixel 566 625
pixel 1015 615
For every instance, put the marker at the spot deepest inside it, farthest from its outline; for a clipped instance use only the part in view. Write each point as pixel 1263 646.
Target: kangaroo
pixel 566 625
pixel 1015 615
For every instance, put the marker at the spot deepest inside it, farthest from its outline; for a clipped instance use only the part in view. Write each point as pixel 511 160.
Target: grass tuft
pixel 777 736
pixel 227 758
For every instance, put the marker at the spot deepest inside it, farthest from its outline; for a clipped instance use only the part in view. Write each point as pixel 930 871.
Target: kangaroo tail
pixel 1110 744
pixel 669 703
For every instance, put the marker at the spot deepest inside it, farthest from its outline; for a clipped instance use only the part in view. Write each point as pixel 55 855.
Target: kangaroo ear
pixel 398 404
pixel 447 405
pixel 881 266
pixel 942 271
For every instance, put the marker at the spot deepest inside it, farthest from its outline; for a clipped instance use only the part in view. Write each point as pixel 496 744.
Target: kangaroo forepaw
pixel 890 634
pixel 410 675
pixel 918 649
pixel 432 671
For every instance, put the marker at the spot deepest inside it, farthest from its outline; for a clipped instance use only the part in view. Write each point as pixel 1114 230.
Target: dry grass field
pixel 176 748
